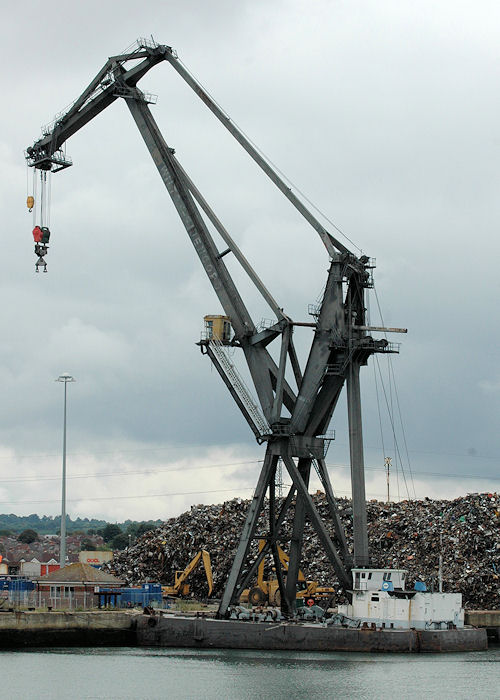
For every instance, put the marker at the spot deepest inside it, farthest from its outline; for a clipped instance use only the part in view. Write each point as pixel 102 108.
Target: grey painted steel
pixel 254 511
pixel 260 364
pixel 295 554
pixel 382 329
pixel 360 530
pixel 294 362
pixel 317 523
pixel 273 533
pixel 85 108
pixel 332 504
pixel 233 247
pixel 232 391
pixel 331 317
pixel 247 577
pixel 329 241
pixel 239 385
pixel 324 405
pixel 278 393
pixel 215 268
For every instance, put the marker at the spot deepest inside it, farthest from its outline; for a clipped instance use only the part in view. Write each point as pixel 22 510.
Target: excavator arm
pixel 181 576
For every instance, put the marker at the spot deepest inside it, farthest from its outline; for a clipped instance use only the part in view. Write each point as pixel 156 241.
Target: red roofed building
pixel 74 586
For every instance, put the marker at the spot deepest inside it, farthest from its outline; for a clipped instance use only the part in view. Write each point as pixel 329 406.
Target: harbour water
pixel 151 674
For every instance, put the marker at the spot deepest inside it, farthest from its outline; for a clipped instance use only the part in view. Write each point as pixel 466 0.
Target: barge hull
pixel 207 633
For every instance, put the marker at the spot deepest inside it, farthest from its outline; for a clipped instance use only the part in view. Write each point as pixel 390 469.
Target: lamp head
pixel 65 377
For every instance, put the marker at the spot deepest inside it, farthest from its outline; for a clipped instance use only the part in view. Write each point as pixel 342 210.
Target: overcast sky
pixel 385 114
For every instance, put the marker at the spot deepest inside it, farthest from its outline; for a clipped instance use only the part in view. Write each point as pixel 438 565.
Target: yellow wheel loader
pixel 267 592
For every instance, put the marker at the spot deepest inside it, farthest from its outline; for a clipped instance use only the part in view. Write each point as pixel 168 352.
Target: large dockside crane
pixel 293 422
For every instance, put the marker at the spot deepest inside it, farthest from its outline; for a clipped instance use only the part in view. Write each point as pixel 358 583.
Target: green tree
pixel 111 530
pixel 28 536
pixel 86 545
pixel 120 541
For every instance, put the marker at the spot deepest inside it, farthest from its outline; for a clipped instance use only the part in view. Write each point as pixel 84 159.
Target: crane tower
pixel 291 420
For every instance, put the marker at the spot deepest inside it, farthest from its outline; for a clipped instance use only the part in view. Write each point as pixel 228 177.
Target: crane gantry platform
pixel 292 421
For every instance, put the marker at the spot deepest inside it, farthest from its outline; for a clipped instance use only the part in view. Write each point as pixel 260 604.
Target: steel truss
pixel 340 344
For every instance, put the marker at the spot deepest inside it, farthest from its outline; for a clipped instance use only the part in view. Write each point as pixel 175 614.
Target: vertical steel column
pixel 361 554
pixel 304 468
pixel 273 534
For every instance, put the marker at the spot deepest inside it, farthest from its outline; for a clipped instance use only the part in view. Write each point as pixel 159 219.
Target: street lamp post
pixel 65 378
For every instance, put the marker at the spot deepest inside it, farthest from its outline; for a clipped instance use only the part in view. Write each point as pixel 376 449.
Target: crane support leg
pixel 304 469
pixel 245 580
pixel 332 504
pixel 267 472
pixel 360 532
pixel 273 534
pixel 317 522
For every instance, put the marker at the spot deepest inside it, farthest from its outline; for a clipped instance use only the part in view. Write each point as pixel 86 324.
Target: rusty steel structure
pixel 295 403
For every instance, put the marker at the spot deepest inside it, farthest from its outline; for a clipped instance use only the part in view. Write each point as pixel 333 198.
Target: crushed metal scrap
pixel 409 535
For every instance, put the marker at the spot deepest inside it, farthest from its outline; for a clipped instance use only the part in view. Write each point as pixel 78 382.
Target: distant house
pixel 73 586
pixel 47 567
pixel 30 568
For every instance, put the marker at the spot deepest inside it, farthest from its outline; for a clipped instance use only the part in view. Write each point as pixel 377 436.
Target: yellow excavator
pixel 180 587
pixel 267 592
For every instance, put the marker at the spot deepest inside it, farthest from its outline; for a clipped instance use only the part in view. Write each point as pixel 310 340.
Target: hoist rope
pixel 403 433
pixel 391 412
pixel 42 197
pixel 393 427
pixel 379 411
pixel 49 197
pixel 35 195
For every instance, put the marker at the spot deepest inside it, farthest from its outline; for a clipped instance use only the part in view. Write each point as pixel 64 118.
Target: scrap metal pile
pixel 409 535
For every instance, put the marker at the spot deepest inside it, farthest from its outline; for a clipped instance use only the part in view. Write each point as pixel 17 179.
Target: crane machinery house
pixel 379 597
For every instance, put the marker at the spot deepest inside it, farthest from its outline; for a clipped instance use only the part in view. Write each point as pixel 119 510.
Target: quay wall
pixel 59 628
pixel 490 619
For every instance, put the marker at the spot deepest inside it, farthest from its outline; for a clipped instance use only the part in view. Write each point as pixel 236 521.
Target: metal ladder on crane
pixel 239 385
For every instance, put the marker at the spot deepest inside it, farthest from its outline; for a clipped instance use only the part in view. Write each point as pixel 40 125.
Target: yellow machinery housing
pixel 267 592
pixel 180 587
pixel 218 328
